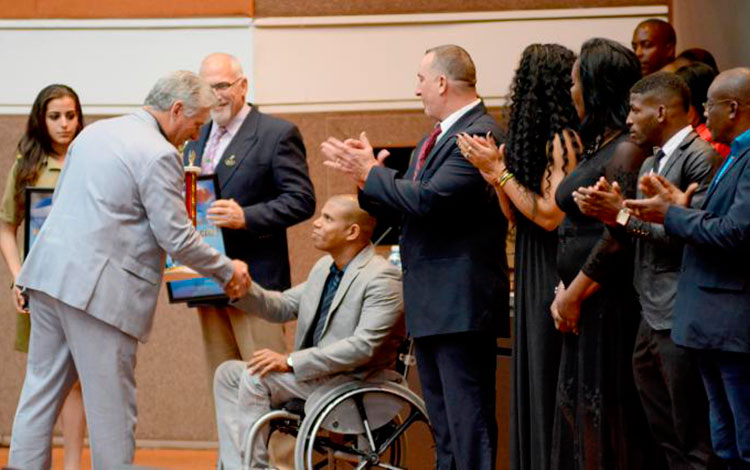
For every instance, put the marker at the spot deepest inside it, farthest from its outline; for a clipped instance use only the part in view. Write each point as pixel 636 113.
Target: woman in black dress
pixel 541 149
pixel 599 422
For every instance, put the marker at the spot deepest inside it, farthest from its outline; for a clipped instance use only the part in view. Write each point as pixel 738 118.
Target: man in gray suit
pixel 95 270
pixel 349 314
pixel 666 375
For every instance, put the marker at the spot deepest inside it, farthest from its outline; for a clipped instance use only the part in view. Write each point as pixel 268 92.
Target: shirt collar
pixel 448 122
pixel 740 143
pixel 235 122
pixel 53 163
pixel 674 141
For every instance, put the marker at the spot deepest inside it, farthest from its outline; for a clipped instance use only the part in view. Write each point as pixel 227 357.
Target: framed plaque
pixel 197 289
pixel 38 205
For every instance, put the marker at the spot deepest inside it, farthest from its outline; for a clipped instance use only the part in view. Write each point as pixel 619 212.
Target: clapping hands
pixel 602 200
pixel 661 194
pixel 354 157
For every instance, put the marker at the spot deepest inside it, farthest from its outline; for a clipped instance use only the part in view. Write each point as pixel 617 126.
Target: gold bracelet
pixel 497 180
pixel 504 178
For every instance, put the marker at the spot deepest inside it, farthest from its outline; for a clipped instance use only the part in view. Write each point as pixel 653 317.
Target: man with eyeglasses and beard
pixel 265 187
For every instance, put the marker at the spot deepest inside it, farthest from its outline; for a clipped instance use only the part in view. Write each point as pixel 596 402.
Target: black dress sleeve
pixel 612 254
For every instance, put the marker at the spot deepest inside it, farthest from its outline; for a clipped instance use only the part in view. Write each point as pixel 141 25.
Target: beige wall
pixel 172 397
pixel 720 26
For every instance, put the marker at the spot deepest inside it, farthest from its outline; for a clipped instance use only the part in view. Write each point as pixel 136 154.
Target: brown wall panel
pixel 124 8
pixel 269 8
pixel 173 399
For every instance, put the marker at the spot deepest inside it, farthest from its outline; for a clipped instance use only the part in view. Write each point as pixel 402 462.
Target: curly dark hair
pixel 36 143
pixel 540 108
pixel 607 71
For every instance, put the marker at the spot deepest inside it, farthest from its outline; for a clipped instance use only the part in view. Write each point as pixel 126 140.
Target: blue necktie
pixel 326 299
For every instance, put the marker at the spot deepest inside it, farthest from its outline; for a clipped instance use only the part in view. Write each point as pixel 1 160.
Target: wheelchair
pixel 355 424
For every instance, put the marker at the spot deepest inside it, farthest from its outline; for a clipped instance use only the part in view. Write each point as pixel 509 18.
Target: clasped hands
pixel 604 200
pixel 240 282
pixel 354 157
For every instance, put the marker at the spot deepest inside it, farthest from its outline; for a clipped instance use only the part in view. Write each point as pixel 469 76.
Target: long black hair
pixel 540 108
pixel 607 71
pixel 36 143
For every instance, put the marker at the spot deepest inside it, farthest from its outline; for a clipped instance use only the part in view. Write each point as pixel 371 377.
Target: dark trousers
pixel 673 398
pixel 726 376
pixel 457 373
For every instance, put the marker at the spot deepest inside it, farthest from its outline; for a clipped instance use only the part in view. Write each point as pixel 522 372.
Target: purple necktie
pixel 208 162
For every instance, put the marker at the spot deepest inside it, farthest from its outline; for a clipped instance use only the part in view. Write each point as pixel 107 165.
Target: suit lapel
pixel 727 173
pixel 351 273
pixel 316 282
pixel 239 148
pixel 677 155
pixel 448 134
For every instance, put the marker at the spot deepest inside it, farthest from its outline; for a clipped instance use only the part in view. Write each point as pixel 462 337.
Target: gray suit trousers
pixel 242 399
pixel 68 344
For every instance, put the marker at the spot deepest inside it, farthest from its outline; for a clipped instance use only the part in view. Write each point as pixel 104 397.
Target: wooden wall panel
pixel 124 8
pixel 275 8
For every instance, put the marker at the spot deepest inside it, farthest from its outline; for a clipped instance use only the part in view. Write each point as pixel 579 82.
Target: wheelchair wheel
pixel 368 428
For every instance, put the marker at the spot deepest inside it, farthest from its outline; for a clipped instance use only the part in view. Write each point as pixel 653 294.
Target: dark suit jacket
pixel 712 310
pixel 452 238
pixel 658 256
pixel 264 169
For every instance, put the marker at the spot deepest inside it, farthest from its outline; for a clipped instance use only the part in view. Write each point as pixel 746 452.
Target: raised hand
pixel 484 154
pixel 353 157
pixel 662 194
pixel 601 201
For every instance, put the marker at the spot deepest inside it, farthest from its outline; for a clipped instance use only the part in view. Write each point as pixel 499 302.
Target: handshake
pixel 240 283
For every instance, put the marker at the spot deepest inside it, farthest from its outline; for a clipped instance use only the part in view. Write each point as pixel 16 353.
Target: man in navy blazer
pixel 265 188
pixel 453 256
pixel 712 309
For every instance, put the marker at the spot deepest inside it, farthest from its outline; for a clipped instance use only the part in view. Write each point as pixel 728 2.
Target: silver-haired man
pixel 94 272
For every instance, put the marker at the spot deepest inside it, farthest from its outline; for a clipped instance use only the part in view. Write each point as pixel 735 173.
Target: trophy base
pixel 180 273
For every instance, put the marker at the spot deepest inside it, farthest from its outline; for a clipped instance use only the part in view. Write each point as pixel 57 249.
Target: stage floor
pixel 178 459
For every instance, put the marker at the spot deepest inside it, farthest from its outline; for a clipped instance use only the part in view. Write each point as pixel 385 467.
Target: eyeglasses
pixel 710 103
pixel 224 86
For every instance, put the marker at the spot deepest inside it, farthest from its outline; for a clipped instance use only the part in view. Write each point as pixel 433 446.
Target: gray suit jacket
pixel 658 257
pixel 117 208
pixel 363 328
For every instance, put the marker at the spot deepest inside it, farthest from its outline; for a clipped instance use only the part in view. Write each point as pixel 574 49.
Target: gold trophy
pixel 175 271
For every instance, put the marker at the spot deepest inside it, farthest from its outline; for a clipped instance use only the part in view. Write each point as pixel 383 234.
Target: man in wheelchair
pixel 350 321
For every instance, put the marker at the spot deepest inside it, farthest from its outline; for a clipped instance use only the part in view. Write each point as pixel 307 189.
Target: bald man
pixel 712 308
pixel 350 321
pixel 261 166
pixel 654 43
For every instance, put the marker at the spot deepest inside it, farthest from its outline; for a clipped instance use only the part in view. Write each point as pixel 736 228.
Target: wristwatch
pixel 623 217
pixel 289 362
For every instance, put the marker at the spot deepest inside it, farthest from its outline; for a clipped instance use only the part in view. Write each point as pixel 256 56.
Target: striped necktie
pixel 326 299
